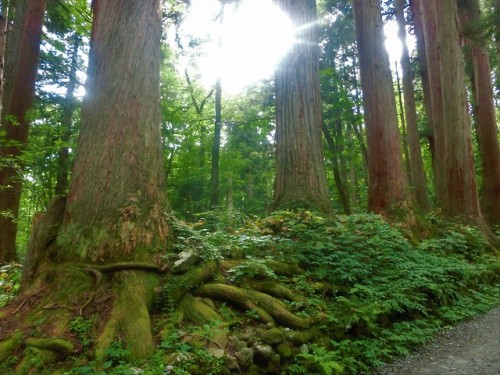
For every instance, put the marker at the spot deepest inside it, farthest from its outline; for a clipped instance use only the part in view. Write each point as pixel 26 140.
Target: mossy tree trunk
pixel 105 240
pixel 300 172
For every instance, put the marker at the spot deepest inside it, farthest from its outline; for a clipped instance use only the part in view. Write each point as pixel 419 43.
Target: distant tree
pixel 388 191
pixel 23 47
pixel 300 172
pixel 417 173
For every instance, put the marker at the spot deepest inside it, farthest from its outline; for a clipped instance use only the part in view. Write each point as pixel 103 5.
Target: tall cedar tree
pixel 455 180
pixel 388 186
pixel 484 108
pixel 300 172
pixel 113 219
pixel 23 49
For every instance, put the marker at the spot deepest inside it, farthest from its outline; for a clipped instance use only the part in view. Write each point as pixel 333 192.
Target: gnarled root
pixel 265 305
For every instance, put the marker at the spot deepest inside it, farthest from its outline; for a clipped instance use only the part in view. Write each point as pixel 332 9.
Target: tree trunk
pixel 496 9
pixel 424 75
pixel 388 187
pixel 114 222
pixel 456 189
pixel 339 182
pixel 4 21
pixel 484 107
pixel 23 51
pixel 300 173
pixel 417 173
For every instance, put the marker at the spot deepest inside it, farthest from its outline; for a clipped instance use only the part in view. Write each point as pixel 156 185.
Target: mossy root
pixel 197 311
pixel 236 296
pixel 246 298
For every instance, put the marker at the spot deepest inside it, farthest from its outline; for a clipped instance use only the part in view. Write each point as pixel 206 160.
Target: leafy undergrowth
pixel 365 295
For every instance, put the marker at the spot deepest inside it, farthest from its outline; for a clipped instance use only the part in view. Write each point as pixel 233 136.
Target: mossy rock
pixel 284 350
pixel 272 336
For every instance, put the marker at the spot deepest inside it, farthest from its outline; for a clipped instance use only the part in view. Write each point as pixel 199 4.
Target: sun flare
pixel 244 46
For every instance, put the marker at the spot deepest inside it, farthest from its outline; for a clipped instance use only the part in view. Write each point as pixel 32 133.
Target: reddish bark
pixel 484 107
pixel 18 99
pixel 456 189
pixel 388 186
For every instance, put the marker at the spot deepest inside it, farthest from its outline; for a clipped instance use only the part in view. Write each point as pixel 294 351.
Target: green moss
pixel 197 311
pixel 7 347
pixel 284 350
pixel 62 346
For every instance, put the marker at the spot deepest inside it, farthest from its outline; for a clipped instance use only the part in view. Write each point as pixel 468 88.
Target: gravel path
pixel 470 348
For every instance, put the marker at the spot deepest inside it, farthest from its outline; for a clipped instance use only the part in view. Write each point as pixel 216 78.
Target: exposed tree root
pixel 197 311
pixel 274 289
pixel 249 299
pixel 8 346
pixel 129 316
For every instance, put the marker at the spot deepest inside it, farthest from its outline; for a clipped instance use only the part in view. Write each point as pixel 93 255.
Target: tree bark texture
pixel 456 189
pixel 484 106
pixel 300 172
pixel 417 173
pixel 117 194
pixel 388 186
pixel 22 54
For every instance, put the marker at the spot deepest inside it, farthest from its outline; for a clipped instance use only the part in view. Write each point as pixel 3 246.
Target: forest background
pixel 334 134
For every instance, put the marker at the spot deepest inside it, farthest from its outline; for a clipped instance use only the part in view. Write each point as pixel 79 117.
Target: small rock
pixel 273 336
pixel 284 350
pixel 262 353
pixel 185 260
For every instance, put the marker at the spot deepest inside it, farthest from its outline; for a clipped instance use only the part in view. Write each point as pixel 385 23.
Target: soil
pixel 470 348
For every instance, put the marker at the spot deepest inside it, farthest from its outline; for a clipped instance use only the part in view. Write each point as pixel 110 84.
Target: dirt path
pixel 471 348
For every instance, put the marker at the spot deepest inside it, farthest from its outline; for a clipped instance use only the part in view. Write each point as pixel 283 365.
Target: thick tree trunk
pixel 456 189
pixel 23 51
pixel 484 107
pixel 114 221
pixel 388 187
pixel 417 173
pixel 300 173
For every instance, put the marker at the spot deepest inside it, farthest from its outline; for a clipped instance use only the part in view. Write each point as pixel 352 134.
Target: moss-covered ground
pixel 292 293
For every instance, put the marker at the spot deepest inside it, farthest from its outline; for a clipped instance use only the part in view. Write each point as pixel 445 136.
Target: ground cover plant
pixel 293 293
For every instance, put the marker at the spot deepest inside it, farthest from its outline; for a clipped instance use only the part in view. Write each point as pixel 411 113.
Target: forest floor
pixel 470 348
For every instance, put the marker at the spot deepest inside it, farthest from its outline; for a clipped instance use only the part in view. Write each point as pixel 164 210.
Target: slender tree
pixel 300 173
pixel 23 49
pixel 388 187
pixel 417 173
pixel 484 108
pixel 68 110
